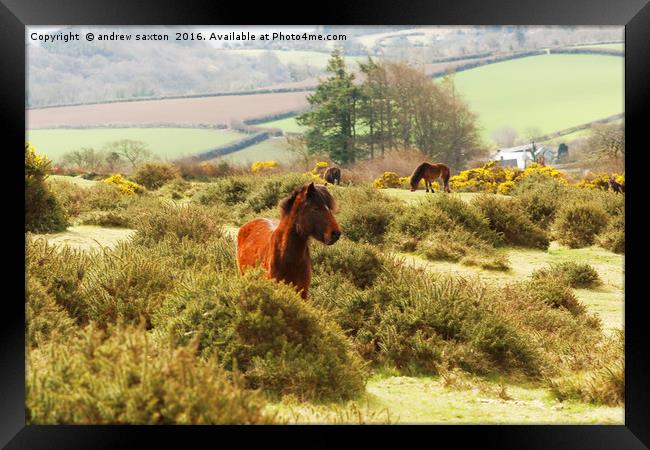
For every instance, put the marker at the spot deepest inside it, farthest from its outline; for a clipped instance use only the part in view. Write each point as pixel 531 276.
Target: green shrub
pixel 277 340
pixel 540 206
pixel 43 212
pixel 554 293
pixel 573 274
pixel 613 236
pixel 458 244
pixel 506 218
pixel 60 270
pixel 416 221
pixel 413 321
pixel 43 317
pixel 114 218
pixel 196 222
pixel 228 191
pixel 359 263
pixel 126 285
pixel 577 224
pixel 539 182
pixel 214 255
pixel 72 197
pixel 567 341
pixel 106 197
pixel 443 213
pixel 365 214
pixel 604 383
pixel 154 175
pixel 463 214
pixel 123 377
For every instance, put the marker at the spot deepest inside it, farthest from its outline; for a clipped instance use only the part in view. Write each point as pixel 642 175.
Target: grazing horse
pixel 430 172
pixel 616 186
pixel 281 246
pixel 333 175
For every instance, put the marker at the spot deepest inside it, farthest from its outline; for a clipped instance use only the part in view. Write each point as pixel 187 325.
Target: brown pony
pixel 281 246
pixel 333 175
pixel 616 186
pixel 430 172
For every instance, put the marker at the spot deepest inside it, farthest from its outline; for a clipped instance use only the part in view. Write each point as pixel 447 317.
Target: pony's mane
pixel 321 194
pixel 417 173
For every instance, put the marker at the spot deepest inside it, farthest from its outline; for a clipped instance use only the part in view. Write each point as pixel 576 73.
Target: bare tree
pixel 298 147
pixel 607 141
pixel 135 152
pixel 505 136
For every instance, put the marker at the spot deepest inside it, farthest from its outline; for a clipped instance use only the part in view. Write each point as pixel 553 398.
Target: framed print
pixel 392 215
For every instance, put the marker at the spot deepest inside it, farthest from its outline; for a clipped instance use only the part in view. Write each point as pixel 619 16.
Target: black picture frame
pixel 633 14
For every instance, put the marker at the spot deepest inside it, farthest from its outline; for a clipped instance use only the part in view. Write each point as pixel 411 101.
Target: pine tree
pixel 332 118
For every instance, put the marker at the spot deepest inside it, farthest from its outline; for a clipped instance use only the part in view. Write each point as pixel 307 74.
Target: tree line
pixel 396 106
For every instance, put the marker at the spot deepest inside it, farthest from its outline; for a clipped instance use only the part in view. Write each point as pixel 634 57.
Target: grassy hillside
pixel 164 142
pixel 288 125
pixel 549 92
pixel 274 148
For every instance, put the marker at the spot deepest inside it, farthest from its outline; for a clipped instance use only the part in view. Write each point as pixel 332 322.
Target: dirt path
pixel 88 237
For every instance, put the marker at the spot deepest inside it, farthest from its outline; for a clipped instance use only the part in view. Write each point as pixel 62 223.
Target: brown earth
pixel 203 110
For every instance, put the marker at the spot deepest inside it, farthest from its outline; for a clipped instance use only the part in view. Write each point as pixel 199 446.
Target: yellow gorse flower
pixel 125 186
pixel 263 166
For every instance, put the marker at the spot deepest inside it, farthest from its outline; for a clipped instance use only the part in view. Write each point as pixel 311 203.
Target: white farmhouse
pixel 520 156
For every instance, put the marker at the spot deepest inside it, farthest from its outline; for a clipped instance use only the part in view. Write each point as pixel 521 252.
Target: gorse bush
pixel 154 175
pixel 442 213
pixel 365 214
pixel 43 211
pixel 576 275
pixel 196 222
pixel 414 322
pixel 540 206
pixel 463 214
pixel 279 342
pixel 613 236
pixel 44 317
pixel 577 224
pixel 270 192
pixel 506 218
pixel 229 191
pixel 114 218
pixel 126 285
pixel 123 377
pixel 458 244
pixel 553 293
pixel 60 271
pixel 125 186
pixel 359 263
pixel 603 383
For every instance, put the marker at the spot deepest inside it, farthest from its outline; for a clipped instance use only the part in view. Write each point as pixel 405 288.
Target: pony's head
pixel 416 177
pixel 311 208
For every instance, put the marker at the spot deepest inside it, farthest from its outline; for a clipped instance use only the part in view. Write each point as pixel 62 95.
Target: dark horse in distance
pixel 280 247
pixel 333 175
pixel 616 186
pixel 430 172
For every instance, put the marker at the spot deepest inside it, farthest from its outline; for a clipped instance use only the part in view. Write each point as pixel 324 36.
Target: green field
pixel 617 46
pixel 288 125
pixel 163 142
pixel 548 92
pixel 270 149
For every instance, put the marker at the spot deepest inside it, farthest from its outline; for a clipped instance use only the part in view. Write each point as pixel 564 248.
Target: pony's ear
pixel 287 203
pixel 311 189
